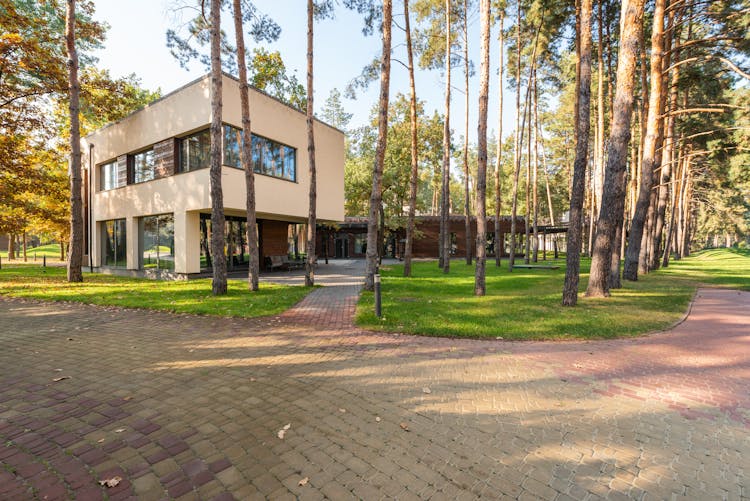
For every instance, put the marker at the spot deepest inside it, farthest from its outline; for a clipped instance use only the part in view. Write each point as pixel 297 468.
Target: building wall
pixel 185 111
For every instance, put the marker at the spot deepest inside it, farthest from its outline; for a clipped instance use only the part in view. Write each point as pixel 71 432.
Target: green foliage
pixel 361 156
pixel 525 304
pixel 193 296
pixel 267 72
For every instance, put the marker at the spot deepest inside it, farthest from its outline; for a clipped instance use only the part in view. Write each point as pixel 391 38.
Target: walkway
pixel 196 407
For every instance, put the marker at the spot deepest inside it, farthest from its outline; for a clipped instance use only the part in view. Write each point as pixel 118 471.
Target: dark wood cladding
pixel 165 156
pixel 275 236
pixel 122 170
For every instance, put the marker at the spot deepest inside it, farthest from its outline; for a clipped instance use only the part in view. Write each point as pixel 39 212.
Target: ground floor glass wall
pixel 114 249
pixel 157 242
pixel 235 242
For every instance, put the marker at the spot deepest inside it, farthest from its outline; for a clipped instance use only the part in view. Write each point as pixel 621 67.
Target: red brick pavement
pixel 189 407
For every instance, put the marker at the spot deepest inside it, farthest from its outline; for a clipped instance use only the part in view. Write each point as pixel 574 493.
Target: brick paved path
pixel 191 407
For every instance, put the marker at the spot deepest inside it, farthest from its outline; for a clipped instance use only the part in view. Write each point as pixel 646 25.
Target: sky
pixel 136 43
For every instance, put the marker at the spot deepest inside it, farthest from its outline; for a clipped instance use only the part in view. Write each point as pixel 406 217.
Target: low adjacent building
pixel 147 193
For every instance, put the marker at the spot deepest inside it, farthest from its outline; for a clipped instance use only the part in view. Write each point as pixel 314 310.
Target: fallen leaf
pixel 426 389
pixel 127 398
pixel 404 426
pixel 61 378
pixel 304 481
pixel 377 419
pixel 119 430
pixel 342 410
pixel 100 440
pixel 111 482
pixel 58 370
pixel 70 339
pixel 578 366
pixel 283 431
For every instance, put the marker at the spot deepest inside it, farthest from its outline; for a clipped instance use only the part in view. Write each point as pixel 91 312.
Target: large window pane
pixel 144 166
pixel 195 151
pixel 158 242
pixel 114 248
pixel 269 157
pixel 232 145
pixel 108 176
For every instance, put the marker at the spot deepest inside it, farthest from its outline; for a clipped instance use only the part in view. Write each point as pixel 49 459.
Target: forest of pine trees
pixel 630 123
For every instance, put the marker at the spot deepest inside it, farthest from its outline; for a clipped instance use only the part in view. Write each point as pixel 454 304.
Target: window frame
pixel 131 165
pixel 259 152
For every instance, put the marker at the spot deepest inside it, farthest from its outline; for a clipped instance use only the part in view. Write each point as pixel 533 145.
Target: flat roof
pixel 199 79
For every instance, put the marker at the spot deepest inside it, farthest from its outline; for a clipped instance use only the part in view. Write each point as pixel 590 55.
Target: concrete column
pixel 132 238
pixel 187 242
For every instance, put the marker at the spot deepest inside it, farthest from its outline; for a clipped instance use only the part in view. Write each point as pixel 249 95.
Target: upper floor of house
pixel 156 159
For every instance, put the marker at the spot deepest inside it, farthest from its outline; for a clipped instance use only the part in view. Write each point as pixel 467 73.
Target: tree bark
pixel 311 216
pixel 517 143
pixel 75 256
pixel 246 151
pixel 467 192
pixel 654 126
pixel 219 282
pixel 484 82
pixel 446 194
pixel 12 246
pixel 498 243
pixel 535 174
pixel 377 175
pixel 583 91
pixel 414 175
pixel 613 196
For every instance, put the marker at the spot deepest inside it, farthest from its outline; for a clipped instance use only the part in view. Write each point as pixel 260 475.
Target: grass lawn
pixel 194 296
pixel 50 250
pixel 525 304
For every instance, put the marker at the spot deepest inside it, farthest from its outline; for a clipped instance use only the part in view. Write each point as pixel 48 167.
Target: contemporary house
pixel 146 182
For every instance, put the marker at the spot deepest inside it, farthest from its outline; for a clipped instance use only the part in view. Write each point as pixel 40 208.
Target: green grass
pixel 49 250
pixel 194 296
pixel 525 304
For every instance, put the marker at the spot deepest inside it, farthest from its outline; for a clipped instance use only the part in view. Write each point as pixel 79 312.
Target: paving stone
pixel 640 418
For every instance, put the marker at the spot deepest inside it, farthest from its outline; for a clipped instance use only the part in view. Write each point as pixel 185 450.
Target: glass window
pixel 195 151
pixel 290 163
pixel 143 165
pixel 158 242
pixel 232 145
pixel 269 157
pixel 108 179
pixel 114 250
pixel 360 243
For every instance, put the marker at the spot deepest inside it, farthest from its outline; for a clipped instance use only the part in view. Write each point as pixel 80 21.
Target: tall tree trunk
pixel 311 216
pixel 527 178
pixel 650 160
pixel 12 246
pixel 75 256
pixel 467 193
pixel 414 175
pixel 219 283
pixel 377 174
pixel 484 82
pixel 600 112
pixel 583 90
pixel 24 244
pixel 246 151
pixel 535 174
pixel 613 196
pixel 517 143
pixel 445 200
pixel 667 152
pixel 498 243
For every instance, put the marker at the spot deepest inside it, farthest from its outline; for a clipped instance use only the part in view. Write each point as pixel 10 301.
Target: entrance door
pixel 342 248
